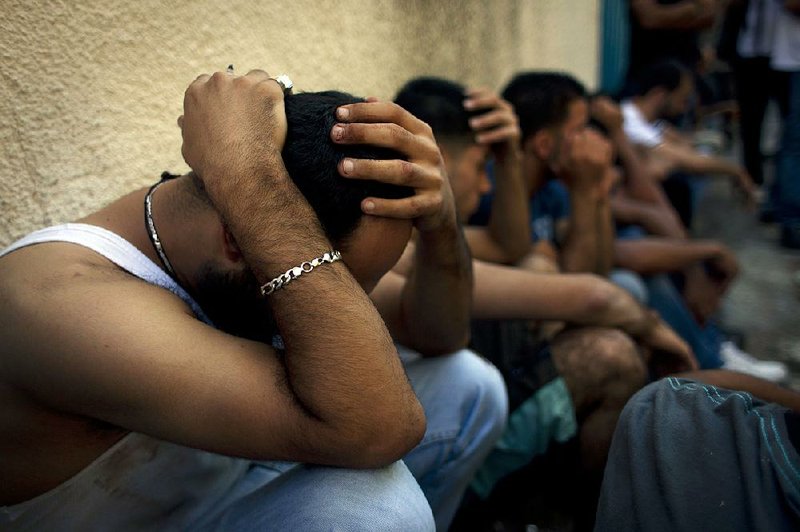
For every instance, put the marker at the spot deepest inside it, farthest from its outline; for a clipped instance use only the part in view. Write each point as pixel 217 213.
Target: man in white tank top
pixel 139 386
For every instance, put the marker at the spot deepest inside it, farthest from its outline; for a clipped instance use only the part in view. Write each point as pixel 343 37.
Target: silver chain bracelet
pixel 293 273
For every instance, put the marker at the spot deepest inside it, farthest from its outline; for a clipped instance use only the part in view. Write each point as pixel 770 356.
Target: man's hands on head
pixel 388 125
pixel 234 128
pixel 232 125
pixel 497 126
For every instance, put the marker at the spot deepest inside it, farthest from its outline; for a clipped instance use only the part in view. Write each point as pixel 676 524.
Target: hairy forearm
pixel 506 293
pixel 659 255
pixel 605 238
pixel 437 296
pixel 579 252
pixel 341 364
pixel 509 222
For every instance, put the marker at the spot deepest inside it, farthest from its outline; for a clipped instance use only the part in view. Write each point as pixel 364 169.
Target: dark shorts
pixel 540 405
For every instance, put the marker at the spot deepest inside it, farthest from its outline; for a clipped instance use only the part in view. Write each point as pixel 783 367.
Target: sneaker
pixel 735 359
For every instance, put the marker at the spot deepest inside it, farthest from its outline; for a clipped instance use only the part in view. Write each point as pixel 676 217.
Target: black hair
pixel 541 99
pixel 439 103
pixel 664 74
pixel 311 159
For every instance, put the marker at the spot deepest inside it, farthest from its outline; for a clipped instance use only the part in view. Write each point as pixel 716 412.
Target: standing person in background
pixel 786 58
pixel 668 29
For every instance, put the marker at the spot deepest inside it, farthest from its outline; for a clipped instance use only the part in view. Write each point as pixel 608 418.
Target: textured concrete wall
pixel 90 90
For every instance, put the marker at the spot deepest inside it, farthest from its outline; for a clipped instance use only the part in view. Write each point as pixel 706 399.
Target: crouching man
pixel 175 367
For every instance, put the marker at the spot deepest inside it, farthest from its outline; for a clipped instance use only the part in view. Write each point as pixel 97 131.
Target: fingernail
pixel 347 166
pixel 473 122
pixel 338 132
pixel 369 206
pixel 468 104
pixel 342 113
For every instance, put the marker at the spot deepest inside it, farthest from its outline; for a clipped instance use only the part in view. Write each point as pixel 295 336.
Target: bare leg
pixel 602 369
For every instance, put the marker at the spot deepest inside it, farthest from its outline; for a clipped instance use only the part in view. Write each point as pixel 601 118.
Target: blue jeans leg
pixel 466 406
pixel 315 498
pixel 787 173
pixel 631 282
pixel 704 341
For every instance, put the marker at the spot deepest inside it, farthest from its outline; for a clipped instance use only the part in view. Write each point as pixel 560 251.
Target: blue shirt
pixel 549 205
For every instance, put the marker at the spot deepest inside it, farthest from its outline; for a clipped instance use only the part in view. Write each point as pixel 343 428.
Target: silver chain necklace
pixel 151 226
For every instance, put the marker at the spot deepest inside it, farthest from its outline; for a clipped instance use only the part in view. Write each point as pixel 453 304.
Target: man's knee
pixel 467 385
pixel 323 498
pixel 481 388
pixel 599 361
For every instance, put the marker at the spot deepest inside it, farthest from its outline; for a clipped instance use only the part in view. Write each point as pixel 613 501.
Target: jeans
pixel 786 193
pixel 631 282
pixel 466 406
pixel 668 302
pixel 291 496
pixel 663 297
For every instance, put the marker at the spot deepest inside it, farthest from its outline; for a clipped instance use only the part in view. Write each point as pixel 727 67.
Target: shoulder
pixel 55 293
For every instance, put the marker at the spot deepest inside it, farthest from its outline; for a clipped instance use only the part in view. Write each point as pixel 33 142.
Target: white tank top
pixel 140 483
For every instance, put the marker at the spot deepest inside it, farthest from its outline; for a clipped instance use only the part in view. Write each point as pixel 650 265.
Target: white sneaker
pixel 735 359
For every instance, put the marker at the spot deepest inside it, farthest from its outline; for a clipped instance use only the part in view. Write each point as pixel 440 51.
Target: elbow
pixel 441 346
pixel 515 253
pixel 383 441
pixel 600 297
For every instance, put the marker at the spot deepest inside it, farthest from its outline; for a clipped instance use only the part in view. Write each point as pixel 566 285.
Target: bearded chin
pixel 233 302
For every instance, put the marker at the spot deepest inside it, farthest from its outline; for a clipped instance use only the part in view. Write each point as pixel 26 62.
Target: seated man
pixel 705 268
pixel 170 409
pixel 567 170
pixel 573 387
pixel 661 91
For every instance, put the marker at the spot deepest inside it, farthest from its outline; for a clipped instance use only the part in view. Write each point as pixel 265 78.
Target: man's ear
pixel 229 246
pixel 541 144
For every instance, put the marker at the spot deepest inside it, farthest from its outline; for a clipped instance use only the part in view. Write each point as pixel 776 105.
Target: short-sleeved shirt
pixel 638 129
pixel 786 44
pixel 549 205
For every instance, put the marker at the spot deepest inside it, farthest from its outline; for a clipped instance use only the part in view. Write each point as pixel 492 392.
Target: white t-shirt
pixel 786 44
pixel 638 129
pixel 756 38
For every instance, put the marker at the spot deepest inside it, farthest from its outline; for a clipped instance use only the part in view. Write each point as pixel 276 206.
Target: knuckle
pixel 427 129
pixel 218 77
pixel 406 169
pixel 417 205
pixel 396 112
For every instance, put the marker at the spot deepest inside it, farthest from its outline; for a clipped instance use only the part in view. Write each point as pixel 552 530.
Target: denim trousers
pixel 786 189
pixel 466 406
pixel 705 341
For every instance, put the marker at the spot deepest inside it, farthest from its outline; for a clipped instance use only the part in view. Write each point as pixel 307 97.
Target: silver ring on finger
pixel 285 82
